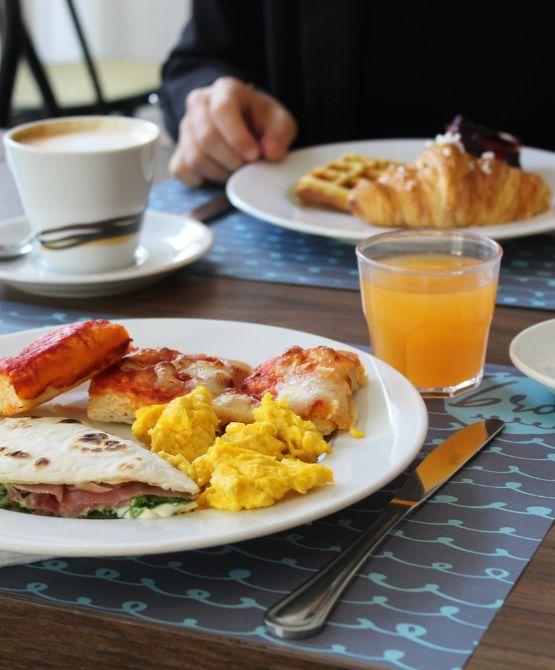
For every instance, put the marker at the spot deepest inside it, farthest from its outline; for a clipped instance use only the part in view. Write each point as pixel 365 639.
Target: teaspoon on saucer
pixel 205 213
pixel 16 249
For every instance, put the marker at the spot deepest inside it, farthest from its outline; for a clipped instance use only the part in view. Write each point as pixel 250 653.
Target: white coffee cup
pixel 84 184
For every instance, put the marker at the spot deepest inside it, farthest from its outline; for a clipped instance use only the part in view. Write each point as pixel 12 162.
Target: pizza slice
pixel 57 362
pixel 154 376
pixel 317 383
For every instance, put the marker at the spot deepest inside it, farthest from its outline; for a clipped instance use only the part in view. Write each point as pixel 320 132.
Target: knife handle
pixel 216 206
pixel 304 611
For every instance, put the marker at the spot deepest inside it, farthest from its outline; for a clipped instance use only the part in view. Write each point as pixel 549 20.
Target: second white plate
pixel 533 353
pixel 266 190
pixel 392 415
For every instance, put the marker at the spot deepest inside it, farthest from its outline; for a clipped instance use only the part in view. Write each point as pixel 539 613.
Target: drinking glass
pixel 428 297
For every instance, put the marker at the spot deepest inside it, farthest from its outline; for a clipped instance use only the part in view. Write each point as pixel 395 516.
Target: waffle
pixel 330 185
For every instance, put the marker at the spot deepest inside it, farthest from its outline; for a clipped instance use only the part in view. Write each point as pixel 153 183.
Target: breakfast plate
pixel 533 352
pixel 391 414
pixel 168 242
pixel 274 199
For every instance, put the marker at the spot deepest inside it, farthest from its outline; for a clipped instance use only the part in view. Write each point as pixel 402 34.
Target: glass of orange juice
pixel 428 297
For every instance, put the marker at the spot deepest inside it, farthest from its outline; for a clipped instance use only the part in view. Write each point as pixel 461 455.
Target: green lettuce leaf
pixel 140 503
pixel 101 514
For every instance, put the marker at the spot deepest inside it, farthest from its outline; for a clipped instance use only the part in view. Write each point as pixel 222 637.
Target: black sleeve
pixel 223 37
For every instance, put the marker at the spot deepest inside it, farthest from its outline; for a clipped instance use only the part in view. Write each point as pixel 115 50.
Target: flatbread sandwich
pixel 63 467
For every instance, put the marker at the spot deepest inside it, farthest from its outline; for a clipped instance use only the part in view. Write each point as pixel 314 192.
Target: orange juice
pixel 431 325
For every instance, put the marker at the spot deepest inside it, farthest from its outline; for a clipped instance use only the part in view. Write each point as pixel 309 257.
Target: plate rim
pixel 171 544
pixel 517 361
pixel 129 274
pixel 498 231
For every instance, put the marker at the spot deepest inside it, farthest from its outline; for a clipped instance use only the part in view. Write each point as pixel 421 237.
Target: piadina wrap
pixel 64 467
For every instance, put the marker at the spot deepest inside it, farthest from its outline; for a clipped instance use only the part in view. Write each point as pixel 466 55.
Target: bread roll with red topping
pixel 59 361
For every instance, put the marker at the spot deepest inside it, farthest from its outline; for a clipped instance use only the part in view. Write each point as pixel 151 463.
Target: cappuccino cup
pixel 84 183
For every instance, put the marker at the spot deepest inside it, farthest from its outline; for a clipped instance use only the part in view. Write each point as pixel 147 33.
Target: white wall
pixel 129 29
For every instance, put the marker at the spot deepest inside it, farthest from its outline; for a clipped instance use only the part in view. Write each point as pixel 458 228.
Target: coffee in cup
pixel 84 184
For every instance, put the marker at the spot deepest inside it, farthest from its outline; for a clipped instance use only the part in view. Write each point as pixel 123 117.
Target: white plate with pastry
pixel 390 412
pixel 168 242
pixel 275 199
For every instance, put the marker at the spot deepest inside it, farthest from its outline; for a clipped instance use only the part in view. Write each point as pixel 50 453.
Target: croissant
pixel 447 188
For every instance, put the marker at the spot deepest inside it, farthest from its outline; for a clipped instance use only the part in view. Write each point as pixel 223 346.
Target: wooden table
pixel 34 634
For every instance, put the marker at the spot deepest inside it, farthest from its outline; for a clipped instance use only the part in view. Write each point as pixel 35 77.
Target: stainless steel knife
pixel 304 612
pixel 216 206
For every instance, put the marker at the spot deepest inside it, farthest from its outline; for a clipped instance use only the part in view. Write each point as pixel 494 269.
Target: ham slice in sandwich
pixel 63 467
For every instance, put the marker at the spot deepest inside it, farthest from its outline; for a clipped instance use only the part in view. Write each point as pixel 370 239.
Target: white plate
pixel 533 353
pixel 266 190
pixel 392 414
pixel 168 242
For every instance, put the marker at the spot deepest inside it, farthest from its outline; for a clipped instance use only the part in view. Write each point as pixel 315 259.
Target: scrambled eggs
pixel 277 431
pixel 244 479
pixel 186 426
pixel 250 465
pixel 302 439
pixel 256 436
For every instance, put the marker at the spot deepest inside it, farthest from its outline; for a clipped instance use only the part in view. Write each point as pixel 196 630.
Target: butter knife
pixel 304 612
pixel 216 206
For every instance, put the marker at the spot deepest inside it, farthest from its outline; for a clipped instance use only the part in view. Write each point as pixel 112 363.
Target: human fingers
pixel 197 161
pixel 208 137
pixel 179 169
pixel 230 99
pixel 277 129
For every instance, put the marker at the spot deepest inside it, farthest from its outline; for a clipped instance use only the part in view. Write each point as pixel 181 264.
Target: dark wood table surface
pixel 38 635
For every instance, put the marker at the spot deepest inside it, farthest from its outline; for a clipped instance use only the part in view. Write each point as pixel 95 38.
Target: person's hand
pixel 225 126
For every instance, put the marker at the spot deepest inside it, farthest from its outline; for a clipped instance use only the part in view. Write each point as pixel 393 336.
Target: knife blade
pixel 445 460
pixel 304 612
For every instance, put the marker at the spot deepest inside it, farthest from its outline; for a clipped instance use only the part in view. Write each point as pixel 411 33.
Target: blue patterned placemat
pixel 22 315
pixel 247 248
pixel 423 602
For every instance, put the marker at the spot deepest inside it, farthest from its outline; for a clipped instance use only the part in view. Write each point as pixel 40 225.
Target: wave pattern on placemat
pixel 247 248
pixel 425 599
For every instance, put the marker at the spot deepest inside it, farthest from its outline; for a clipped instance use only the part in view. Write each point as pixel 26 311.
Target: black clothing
pixel 359 69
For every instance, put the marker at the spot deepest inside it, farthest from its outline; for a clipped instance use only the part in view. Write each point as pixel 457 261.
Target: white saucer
pixel 168 242
pixel 533 353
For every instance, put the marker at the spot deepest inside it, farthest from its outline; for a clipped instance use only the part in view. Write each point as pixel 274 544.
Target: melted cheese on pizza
pixel 317 383
pixel 156 376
